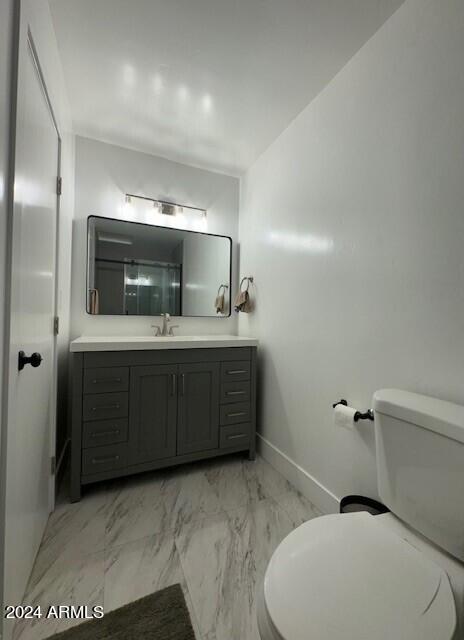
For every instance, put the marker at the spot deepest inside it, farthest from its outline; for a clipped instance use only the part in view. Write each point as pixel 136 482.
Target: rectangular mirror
pixel 138 269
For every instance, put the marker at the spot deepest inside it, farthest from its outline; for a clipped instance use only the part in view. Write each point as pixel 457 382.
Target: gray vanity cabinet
pixel 153 413
pixel 134 411
pixel 198 415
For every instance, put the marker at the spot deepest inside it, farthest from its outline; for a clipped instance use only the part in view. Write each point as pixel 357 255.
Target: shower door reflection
pixel 136 269
pixel 152 289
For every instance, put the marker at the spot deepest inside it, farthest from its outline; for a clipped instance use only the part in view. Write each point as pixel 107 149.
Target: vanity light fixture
pixel 168 208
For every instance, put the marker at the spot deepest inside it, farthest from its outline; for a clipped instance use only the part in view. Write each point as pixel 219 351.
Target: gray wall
pixel 104 173
pixel 352 223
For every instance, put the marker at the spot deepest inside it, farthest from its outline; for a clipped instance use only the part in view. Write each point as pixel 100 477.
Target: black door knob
pixel 34 360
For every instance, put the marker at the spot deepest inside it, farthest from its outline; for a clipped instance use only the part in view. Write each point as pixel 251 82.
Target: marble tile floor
pixel 210 526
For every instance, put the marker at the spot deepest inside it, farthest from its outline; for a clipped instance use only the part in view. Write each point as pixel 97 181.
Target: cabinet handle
pixel 106 459
pixel 106 407
pixel 174 384
pixel 235 393
pixel 103 434
pixel 182 378
pixel 232 372
pixel 99 380
pixel 238 435
pixel 236 414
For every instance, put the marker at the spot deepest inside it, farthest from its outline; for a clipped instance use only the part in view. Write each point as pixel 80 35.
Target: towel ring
pixel 222 286
pixel 248 279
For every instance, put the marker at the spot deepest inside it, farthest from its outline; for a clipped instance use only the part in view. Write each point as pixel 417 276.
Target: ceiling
pixel 209 83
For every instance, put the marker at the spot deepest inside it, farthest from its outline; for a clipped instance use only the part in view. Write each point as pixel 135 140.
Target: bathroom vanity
pixel 146 403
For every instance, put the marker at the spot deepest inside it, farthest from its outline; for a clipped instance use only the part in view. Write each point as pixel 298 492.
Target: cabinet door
pixel 153 413
pixel 198 415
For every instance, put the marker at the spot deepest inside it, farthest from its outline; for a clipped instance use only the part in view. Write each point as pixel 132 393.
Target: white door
pixel 31 394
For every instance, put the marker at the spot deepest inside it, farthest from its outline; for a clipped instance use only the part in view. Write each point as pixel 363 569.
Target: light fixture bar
pixel 167 206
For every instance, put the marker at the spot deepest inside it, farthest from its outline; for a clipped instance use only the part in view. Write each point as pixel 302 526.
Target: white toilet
pixel 397 576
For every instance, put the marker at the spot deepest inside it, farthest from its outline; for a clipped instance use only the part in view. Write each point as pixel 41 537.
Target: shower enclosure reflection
pixel 139 269
pixel 151 289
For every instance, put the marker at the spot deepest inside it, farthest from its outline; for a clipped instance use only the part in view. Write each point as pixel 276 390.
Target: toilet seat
pixel 349 577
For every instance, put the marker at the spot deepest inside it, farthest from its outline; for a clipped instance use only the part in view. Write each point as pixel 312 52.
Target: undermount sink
pixel 136 343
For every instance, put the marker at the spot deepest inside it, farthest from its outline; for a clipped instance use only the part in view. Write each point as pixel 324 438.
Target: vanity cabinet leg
pixel 252 451
pixel 75 490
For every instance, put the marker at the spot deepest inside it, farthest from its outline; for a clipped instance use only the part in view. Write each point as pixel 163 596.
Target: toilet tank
pixel 420 464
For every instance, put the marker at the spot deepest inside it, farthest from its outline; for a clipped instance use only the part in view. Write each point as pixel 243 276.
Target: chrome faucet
pixel 165 330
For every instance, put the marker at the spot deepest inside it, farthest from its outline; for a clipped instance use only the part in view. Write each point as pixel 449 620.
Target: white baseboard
pixel 319 495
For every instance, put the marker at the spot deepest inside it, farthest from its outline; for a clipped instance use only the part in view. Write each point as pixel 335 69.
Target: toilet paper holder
pixel 368 415
pixel 359 415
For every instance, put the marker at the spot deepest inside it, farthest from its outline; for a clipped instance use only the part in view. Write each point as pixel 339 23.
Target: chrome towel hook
pixel 248 279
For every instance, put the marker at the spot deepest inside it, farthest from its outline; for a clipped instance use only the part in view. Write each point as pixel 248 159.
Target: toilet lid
pixel 347 576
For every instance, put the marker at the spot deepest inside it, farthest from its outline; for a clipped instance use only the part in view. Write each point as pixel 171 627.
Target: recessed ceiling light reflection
pixel 305 242
pixel 207 103
pixel 129 75
pixel 182 93
pixel 158 83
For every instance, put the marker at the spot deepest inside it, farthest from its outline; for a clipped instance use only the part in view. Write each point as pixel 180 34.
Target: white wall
pixel 352 223
pixel 104 173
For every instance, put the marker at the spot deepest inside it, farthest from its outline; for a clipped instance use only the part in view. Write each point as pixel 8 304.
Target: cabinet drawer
pixel 234 413
pixel 99 406
pixel 235 371
pixel 100 432
pixel 98 459
pixel 235 392
pixel 105 379
pixel 235 436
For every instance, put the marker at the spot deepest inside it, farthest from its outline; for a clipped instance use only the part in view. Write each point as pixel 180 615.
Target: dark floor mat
pixel 160 616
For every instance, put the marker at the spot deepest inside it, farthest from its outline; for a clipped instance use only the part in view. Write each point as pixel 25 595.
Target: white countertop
pixel 141 343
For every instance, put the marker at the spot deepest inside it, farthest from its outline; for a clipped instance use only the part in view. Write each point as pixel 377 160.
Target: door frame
pixel 13 34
